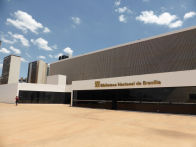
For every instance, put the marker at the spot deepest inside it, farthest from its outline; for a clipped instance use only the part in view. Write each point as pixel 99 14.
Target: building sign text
pixel 119 84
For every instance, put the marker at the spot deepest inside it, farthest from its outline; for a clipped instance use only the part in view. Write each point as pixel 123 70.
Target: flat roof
pixel 11 55
pixel 129 43
pixel 38 61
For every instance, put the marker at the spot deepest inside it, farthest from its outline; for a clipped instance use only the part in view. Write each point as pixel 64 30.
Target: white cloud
pixel 4 40
pixel 117 2
pixel 41 57
pixel 20 37
pixel 25 22
pixel 41 43
pixel 4 51
pixel 189 15
pixel 24 60
pixel 122 18
pixel 163 19
pixel 1 65
pixel 15 50
pixel 68 51
pixel 148 17
pixel 46 30
pixel 123 10
pixel 176 24
pixel 76 20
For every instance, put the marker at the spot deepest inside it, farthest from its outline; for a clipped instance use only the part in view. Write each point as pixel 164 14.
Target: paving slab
pixel 49 125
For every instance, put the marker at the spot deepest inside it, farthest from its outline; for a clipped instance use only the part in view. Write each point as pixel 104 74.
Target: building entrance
pixel 166 100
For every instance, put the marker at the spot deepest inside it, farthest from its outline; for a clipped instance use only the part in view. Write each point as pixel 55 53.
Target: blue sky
pixel 44 29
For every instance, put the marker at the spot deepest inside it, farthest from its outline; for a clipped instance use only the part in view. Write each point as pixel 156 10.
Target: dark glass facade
pixel 32 72
pixel 168 94
pixel 170 99
pixel 44 97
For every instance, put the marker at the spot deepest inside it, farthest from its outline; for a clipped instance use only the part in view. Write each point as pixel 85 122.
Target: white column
pixel 71 104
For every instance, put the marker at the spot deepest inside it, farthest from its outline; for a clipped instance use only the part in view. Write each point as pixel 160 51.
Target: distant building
pixel 11 69
pixel 23 80
pixel 37 72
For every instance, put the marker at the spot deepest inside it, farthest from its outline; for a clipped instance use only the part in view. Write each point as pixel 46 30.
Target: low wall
pixel 8 93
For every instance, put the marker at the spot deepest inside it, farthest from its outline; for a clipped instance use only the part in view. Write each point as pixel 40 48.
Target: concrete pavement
pixel 50 125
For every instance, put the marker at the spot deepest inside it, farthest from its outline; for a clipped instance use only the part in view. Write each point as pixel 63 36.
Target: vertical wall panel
pixel 173 52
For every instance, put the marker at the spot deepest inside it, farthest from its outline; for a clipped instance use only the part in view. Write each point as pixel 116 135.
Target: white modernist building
pixel 153 74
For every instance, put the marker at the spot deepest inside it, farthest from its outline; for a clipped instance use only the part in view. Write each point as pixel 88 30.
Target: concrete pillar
pixel 71 104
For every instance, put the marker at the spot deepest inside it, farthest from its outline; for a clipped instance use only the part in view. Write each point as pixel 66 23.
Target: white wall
pixel 169 79
pixel 42 72
pixel 8 93
pixel 14 71
pixel 56 80
pixel 68 88
pixel 41 87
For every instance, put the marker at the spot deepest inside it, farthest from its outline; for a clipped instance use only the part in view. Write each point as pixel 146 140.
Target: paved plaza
pixel 53 125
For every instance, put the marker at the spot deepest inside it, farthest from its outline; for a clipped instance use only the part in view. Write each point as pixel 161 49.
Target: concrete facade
pixel 160 80
pixel 164 53
pixel 169 79
pixel 8 93
pixel 42 72
pixel 14 72
pixel 56 80
pixel 180 85
pixel 37 72
pixel 11 69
